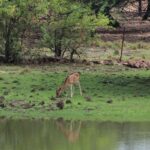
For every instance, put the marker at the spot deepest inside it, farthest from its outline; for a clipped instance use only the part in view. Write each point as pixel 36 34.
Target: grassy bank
pixel 127 90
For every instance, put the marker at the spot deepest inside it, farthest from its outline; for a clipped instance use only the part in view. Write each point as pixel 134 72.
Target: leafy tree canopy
pixel 69 25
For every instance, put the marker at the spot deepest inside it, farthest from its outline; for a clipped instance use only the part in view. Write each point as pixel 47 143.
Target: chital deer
pixel 71 80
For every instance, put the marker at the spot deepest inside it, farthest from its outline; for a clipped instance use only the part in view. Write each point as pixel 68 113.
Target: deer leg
pixel 78 130
pixel 71 90
pixel 80 88
pixel 71 125
pixel 66 94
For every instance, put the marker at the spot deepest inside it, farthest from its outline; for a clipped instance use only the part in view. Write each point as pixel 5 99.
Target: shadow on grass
pixel 114 85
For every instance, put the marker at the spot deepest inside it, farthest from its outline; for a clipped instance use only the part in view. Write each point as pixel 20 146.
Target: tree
pixel 69 25
pixel 147 14
pixel 16 17
pixel 140 7
pixel 105 6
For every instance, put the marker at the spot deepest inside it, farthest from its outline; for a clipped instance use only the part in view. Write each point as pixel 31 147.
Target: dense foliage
pixel 69 26
pixel 65 26
pixel 16 17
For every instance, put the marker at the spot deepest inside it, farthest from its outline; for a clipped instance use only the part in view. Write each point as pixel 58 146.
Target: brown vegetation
pixel 137 64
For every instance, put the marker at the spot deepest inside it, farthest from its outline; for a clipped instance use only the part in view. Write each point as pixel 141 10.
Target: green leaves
pixel 74 20
pixel 70 14
pixel 18 16
pixel 7 8
pixel 67 24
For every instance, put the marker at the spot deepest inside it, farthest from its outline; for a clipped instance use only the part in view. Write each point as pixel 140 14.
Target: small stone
pixel 5 92
pixel 68 102
pixel 2 98
pixel 2 105
pixel 60 104
pixel 27 106
pixel 53 98
pixel 42 103
pixel 88 98
pixel 109 101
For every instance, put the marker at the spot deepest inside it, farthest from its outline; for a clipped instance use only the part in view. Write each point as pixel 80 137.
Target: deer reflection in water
pixel 70 129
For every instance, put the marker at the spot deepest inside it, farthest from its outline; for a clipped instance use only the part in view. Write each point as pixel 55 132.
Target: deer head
pixel 59 91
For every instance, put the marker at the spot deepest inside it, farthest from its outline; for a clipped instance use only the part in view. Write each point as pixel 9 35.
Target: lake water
pixel 73 135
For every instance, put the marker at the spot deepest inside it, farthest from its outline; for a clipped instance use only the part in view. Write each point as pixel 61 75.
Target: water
pixel 73 135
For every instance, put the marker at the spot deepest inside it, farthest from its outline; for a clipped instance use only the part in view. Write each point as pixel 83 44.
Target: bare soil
pixel 135 29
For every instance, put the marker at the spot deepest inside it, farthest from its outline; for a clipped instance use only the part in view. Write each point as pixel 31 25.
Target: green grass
pixel 101 50
pixel 111 50
pixel 129 89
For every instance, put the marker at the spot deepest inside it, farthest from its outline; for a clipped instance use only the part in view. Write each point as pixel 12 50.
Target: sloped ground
pixel 136 46
pixel 135 30
pixel 110 93
pixel 136 41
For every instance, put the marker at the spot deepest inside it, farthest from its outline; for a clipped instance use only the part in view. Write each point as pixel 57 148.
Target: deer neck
pixel 63 87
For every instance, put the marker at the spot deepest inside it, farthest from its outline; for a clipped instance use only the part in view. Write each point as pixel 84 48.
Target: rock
pixel 105 82
pixel 16 103
pixel 2 105
pixel 21 103
pixel 2 98
pixel 109 101
pixel 84 61
pixel 87 69
pixel 89 109
pixel 27 106
pixel 41 89
pixel 42 103
pixel 88 98
pixel 90 63
pixel 33 90
pixel 96 62
pixel 60 104
pixel 15 81
pixel 1 78
pixel 6 93
pixel 137 64
pixel 108 62
pixel 83 91
pixel 53 98
pixel 68 102
pixel 51 107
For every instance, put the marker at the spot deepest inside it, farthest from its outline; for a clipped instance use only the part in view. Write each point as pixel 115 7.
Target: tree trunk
pixel 58 44
pixel 7 51
pixel 140 7
pixel 147 14
pixel 71 55
pixel 7 43
pixel 113 22
pixel 58 49
pixel 96 7
pixel 74 51
pixel 122 45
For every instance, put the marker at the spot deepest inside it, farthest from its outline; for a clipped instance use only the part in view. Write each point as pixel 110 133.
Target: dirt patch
pixel 137 64
pixel 135 29
pixel 2 101
pixel 21 103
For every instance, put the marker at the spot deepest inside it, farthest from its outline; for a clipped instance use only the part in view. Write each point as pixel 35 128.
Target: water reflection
pixel 73 135
pixel 70 129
